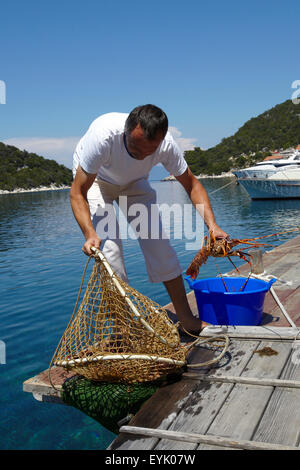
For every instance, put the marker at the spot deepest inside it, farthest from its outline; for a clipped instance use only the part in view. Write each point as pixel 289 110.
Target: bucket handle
pixel 267 279
pixel 272 282
pixel 189 281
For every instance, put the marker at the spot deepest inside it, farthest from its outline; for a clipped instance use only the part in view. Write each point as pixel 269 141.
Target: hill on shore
pixel 276 129
pixel 21 169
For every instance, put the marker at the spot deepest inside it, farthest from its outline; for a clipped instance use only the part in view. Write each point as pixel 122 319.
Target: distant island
pixel 24 171
pixel 274 130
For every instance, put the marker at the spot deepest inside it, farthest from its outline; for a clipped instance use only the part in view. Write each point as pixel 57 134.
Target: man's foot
pixel 192 327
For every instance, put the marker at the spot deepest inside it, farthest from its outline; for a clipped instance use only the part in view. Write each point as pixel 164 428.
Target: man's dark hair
pixel 151 119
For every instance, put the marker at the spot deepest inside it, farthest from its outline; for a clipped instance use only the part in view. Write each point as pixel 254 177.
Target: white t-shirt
pixel 102 151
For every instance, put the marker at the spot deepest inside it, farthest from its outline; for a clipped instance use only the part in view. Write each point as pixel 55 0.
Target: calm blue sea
pixel 40 270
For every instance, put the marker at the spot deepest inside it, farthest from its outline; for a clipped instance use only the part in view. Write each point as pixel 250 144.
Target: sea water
pixel 40 271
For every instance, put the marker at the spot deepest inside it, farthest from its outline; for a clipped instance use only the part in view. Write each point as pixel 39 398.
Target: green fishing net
pixel 107 403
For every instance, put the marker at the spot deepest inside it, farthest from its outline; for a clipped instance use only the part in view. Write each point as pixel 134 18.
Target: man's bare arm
pixel 78 196
pixel 198 195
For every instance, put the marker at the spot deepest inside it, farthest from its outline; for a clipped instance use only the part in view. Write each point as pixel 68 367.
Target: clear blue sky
pixel 210 65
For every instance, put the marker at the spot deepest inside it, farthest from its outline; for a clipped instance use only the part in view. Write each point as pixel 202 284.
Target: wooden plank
pixel 291 304
pixel 274 256
pixel 40 384
pixel 198 438
pixel 244 406
pixel 47 398
pixel 162 408
pixel 252 332
pixel 290 245
pixel 292 242
pixel 270 303
pixel 292 275
pixel 289 310
pixel 203 405
pixel 283 265
pixel 272 312
pixel 158 412
pixel 243 380
pixel 281 419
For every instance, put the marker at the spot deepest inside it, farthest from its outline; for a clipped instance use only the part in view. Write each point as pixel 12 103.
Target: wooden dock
pixel 249 400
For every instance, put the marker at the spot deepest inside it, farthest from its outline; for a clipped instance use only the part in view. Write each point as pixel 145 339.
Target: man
pixel 113 159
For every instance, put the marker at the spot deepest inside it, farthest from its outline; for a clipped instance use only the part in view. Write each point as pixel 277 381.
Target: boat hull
pixel 271 189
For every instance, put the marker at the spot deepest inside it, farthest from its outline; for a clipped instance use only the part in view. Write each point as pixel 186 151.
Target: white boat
pixel 275 177
pixel 269 166
pixel 283 184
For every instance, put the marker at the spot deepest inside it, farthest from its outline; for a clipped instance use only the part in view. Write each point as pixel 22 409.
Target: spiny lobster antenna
pixel 272 235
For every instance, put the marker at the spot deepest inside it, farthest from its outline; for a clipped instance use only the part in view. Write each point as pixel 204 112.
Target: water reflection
pixel 34 219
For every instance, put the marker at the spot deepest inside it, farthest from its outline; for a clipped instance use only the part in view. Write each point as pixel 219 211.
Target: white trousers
pixel 160 257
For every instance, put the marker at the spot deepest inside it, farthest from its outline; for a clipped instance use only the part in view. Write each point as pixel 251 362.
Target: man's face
pixel 139 146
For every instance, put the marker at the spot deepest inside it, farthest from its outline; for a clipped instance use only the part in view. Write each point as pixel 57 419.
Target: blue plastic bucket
pixel 219 307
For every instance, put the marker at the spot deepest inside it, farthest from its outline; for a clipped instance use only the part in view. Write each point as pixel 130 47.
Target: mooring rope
pixel 199 340
pixel 222 187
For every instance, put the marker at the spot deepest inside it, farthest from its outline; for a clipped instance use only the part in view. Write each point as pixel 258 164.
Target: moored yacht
pixel 269 166
pixel 276 177
pixel 283 184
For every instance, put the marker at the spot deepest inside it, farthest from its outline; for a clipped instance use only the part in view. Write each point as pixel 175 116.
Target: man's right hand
pixel 92 241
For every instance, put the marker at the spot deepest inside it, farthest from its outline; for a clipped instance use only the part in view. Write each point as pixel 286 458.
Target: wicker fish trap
pixel 117 334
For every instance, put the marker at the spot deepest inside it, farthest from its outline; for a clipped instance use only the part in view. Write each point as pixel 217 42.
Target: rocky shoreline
pixel 32 190
pixel 58 188
pixel 222 175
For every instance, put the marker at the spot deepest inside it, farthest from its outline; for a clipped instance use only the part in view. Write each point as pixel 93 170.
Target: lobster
pixel 224 248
